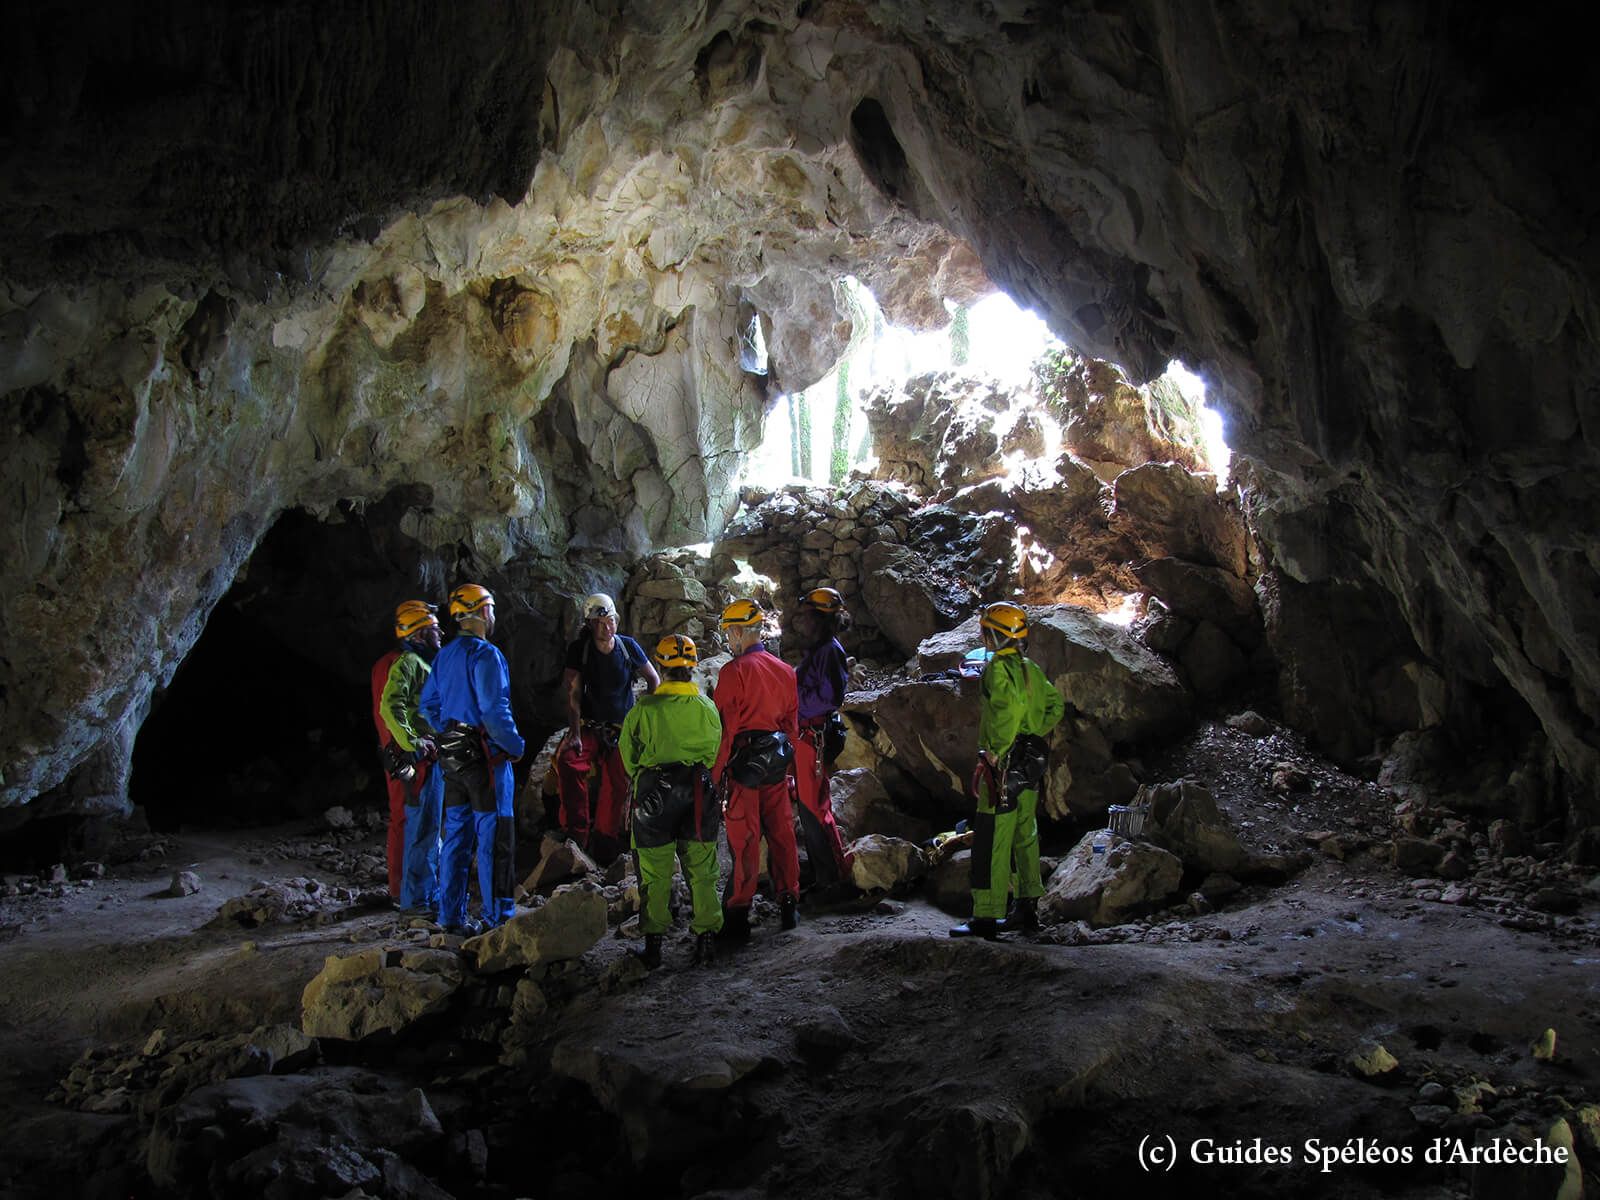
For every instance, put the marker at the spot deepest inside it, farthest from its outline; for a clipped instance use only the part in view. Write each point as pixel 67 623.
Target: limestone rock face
pixel 378 991
pixel 1113 426
pixel 522 280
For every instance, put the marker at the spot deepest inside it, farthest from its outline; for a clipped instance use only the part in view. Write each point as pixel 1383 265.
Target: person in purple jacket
pixel 822 676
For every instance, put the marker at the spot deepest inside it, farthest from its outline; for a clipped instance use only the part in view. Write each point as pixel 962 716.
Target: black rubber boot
pixel 735 926
pixel 1024 916
pixel 705 949
pixel 651 954
pixel 788 913
pixel 988 928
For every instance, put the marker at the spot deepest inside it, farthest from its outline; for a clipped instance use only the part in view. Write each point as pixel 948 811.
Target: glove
pixel 425 750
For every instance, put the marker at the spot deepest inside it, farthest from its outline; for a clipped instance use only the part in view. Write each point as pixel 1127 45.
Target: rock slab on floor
pixel 569 923
pixel 375 991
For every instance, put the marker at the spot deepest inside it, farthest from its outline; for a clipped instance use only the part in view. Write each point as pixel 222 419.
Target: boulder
pixel 1211 660
pixel 560 861
pixel 1203 593
pixel 906 598
pixel 948 886
pixel 1172 512
pixel 924 741
pixel 1184 819
pixel 565 926
pixel 880 863
pixel 377 991
pixel 1129 879
pixel 862 806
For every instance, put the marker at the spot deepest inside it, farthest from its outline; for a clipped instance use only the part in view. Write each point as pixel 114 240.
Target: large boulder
pixel 907 599
pixel 378 991
pixel 921 741
pixel 861 806
pixel 1202 593
pixel 1127 880
pixel 880 864
pixel 563 927
pixel 1172 512
pixel 1184 819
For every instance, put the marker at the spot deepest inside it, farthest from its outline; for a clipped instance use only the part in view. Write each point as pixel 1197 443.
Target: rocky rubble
pixel 142 1078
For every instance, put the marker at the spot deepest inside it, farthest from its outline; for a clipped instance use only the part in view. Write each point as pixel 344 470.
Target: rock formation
pixel 298 261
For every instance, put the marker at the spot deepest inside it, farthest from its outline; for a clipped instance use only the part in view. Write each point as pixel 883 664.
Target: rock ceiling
pixel 267 257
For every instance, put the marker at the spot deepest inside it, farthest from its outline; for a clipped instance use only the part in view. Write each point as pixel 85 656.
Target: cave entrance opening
pixel 822 433
pixel 268 717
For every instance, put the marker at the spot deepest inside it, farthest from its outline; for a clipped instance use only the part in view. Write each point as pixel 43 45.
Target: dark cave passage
pixel 269 716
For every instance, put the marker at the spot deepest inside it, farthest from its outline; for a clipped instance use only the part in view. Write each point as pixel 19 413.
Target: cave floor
pixel 867 1053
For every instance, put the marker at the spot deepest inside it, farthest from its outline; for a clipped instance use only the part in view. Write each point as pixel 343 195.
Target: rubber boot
pixel 1024 916
pixel 988 928
pixel 705 949
pixel 735 926
pixel 788 913
pixel 651 954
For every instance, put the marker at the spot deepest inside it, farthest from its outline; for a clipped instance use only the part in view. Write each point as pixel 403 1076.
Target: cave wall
pixel 263 258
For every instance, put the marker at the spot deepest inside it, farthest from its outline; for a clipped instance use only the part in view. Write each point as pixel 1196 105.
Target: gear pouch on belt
pixel 460 748
pixel 1025 768
pixel 833 738
pixel 663 803
pixel 760 758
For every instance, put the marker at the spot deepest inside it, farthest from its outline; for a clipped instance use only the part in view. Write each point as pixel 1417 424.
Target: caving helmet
pixel 742 613
pixel 675 650
pixel 598 605
pixel 468 600
pixel 824 599
pixel 1008 620
pixel 413 616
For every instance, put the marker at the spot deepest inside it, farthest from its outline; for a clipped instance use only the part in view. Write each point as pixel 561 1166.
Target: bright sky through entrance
pixel 1004 341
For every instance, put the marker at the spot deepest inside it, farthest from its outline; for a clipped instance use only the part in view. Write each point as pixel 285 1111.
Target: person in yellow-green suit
pixel 1020 706
pixel 669 741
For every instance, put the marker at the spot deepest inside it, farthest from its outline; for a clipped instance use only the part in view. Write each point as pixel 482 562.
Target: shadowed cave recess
pixel 307 311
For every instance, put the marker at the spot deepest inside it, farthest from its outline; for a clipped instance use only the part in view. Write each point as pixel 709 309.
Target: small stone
pixel 56 874
pixel 1454 865
pixel 1433 1092
pixel 339 817
pixel 1372 1060
pixel 1431 1116
pixel 184 883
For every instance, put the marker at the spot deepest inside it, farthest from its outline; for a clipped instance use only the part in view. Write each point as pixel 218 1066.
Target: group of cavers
pixel 664 775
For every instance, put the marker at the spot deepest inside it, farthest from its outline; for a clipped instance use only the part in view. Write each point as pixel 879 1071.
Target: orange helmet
pixel 1008 620
pixel 468 600
pixel 742 613
pixel 675 650
pixel 413 616
pixel 824 599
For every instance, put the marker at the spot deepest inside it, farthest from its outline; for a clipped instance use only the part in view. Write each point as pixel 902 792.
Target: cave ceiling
pixel 271 256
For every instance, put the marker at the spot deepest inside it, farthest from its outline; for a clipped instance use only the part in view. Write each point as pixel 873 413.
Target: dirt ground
pixel 867 1054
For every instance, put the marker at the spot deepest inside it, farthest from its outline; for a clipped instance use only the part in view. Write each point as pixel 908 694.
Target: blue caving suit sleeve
pixel 492 683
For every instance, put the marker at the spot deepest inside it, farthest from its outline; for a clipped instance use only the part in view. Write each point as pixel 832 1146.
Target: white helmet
pixel 598 605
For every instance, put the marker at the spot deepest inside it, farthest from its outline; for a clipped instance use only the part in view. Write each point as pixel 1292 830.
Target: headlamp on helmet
pixel 598 605
pixel 413 616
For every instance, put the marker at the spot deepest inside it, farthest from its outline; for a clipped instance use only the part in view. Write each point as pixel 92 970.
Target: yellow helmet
pixel 469 599
pixel 675 650
pixel 413 616
pixel 742 612
pixel 1008 620
pixel 824 599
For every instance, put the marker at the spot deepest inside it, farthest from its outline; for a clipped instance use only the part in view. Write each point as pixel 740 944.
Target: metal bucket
pixel 1127 819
